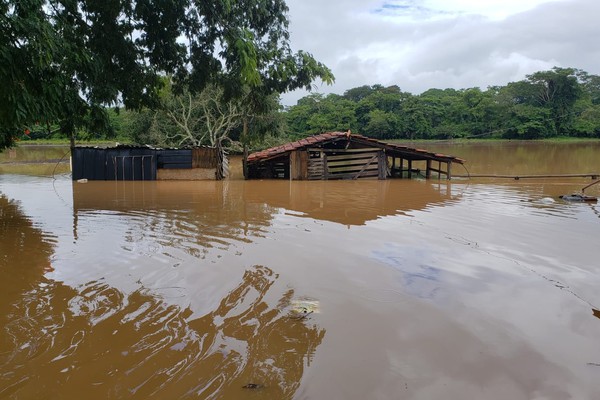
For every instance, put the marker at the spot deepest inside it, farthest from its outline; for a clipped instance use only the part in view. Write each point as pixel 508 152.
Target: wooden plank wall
pixel 299 165
pixel 316 165
pixel 204 157
pixel 355 164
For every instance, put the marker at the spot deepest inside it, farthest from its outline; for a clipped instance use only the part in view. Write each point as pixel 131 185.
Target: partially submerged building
pixel 342 155
pixel 142 163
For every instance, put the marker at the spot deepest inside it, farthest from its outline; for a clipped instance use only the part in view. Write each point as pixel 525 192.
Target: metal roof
pixel 317 140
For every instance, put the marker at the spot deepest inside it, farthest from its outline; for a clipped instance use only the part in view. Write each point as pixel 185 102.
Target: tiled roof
pixel 311 141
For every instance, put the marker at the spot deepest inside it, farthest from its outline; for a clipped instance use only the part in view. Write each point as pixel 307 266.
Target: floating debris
pixel 547 200
pixel 253 386
pixel 578 198
pixel 302 308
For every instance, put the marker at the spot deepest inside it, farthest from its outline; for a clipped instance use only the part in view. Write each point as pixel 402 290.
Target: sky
pixel 423 44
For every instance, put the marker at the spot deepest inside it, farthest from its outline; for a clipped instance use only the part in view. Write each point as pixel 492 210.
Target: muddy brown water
pixel 469 289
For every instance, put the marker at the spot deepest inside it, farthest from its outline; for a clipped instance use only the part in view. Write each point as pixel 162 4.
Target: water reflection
pixel 61 342
pixel 244 206
pixel 350 202
pixel 189 216
pixel 25 251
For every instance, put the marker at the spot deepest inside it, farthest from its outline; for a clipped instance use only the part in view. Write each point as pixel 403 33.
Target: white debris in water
pixel 304 306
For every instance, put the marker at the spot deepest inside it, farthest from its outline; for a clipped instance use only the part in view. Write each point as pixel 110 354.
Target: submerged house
pixel 342 155
pixel 142 163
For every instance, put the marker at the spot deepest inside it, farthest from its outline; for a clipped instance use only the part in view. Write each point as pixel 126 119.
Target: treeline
pixel 559 102
pixel 562 102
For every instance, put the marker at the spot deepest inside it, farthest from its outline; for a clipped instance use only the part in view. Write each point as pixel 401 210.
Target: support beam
pixel 401 168
pixel 382 163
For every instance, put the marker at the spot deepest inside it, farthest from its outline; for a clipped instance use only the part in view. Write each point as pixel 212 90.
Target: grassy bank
pixel 66 142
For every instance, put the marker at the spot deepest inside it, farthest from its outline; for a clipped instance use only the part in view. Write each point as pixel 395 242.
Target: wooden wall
pixel 346 163
pixel 299 165
pixel 204 157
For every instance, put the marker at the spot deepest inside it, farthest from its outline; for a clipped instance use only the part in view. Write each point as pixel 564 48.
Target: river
pixel 411 289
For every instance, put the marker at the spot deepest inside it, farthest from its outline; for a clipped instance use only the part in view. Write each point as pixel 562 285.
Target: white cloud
pixel 419 44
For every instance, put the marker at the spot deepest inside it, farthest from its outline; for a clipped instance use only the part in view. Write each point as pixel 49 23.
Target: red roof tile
pixel 330 136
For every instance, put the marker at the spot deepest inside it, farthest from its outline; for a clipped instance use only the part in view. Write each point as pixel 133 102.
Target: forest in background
pixel 562 102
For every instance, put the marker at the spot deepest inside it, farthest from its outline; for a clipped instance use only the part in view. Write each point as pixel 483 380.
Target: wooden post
pixel 298 165
pixel 401 168
pixel 428 170
pixel 381 163
pixel 439 170
pixel 449 170
pixel 409 169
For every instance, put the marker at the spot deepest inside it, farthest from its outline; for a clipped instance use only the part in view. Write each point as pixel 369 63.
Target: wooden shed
pixel 342 155
pixel 135 163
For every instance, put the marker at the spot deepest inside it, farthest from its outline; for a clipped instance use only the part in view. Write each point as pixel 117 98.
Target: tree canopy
pixel 65 61
pixel 558 102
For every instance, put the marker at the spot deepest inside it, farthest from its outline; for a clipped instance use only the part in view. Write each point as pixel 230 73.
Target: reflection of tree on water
pixel 25 253
pixel 192 216
pixel 107 345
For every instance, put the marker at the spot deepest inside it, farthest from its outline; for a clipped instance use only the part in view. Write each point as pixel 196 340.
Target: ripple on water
pixel 140 346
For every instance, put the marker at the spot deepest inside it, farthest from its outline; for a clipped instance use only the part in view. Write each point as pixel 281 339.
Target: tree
pixel 557 90
pixel 317 113
pixel 66 60
pixel 358 93
pixel 529 122
pixel 205 118
pixel 382 125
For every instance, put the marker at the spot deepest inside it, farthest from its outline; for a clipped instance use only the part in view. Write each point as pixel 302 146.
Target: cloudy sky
pixel 420 44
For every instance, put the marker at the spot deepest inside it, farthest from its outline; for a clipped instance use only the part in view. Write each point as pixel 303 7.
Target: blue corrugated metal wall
pixel 125 163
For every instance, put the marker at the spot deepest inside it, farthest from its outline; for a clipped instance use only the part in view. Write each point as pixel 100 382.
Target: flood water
pixel 398 289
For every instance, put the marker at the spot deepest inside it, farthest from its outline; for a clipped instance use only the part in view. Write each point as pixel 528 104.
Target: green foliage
pixel 316 113
pixel 66 62
pixel 559 102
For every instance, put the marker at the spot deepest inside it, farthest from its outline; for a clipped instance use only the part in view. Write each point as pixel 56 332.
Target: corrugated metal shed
pixel 118 163
pixel 136 162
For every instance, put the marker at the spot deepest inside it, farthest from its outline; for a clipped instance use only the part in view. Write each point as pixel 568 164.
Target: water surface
pixel 299 290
